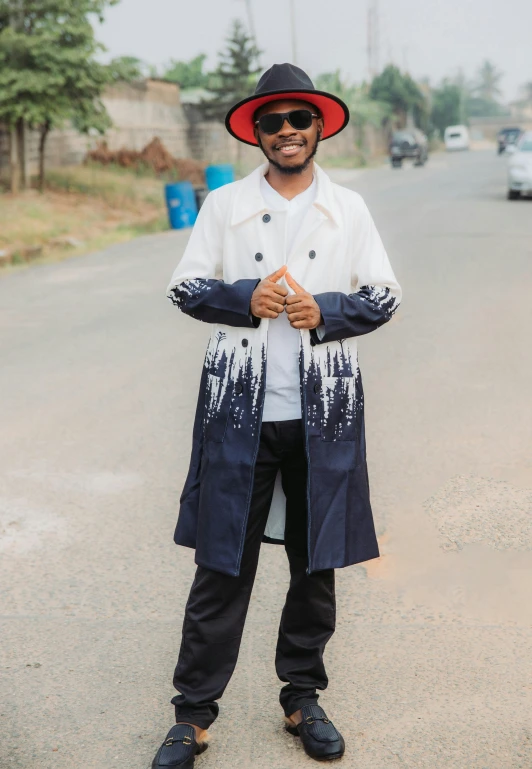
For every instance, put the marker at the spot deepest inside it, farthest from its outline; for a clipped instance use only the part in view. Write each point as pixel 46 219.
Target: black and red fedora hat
pixel 285 81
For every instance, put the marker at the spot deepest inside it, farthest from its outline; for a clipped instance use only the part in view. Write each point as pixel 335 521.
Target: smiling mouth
pixel 287 150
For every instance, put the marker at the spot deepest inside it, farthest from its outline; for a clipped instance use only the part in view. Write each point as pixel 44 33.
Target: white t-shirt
pixel 283 399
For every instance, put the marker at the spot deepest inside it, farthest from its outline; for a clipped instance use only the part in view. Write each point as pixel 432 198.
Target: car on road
pixel 409 145
pixel 456 137
pixel 520 168
pixel 507 137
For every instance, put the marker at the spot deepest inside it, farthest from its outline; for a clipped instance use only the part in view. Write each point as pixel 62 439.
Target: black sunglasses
pixel 272 122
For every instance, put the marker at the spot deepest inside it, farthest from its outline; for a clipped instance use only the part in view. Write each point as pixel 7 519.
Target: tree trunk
pixel 21 151
pixel 45 130
pixel 13 162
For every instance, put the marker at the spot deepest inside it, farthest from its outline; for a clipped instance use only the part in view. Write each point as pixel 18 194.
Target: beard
pixel 291 170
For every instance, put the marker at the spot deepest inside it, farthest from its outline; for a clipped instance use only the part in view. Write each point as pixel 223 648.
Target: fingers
pixel 279 290
pixel 302 324
pixel 278 274
pixel 293 285
pixel 303 311
pixel 294 299
pixel 269 312
pixel 297 316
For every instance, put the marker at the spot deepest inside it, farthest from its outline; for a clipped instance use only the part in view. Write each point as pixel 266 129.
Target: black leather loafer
pixel 179 749
pixel 318 735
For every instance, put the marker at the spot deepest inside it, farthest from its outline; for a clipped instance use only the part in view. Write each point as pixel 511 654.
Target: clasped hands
pixel 270 299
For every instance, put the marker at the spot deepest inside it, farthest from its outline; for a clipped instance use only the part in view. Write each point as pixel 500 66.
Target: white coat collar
pixel 249 201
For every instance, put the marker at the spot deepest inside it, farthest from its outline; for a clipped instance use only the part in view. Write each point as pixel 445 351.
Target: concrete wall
pixel 211 142
pixel 489 127
pixel 141 111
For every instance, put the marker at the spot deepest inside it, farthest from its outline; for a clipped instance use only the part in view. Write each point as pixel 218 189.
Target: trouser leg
pixel 309 614
pixel 216 611
pixel 307 624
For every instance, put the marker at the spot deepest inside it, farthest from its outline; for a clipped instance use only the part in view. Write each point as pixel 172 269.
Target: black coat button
pixel 238 388
pixel 312 254
pixel 266 218
pixel 259 257
pixel 245 342
pixel 317 388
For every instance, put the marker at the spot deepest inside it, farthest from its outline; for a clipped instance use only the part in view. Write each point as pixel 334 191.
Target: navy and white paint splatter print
pixel 356 290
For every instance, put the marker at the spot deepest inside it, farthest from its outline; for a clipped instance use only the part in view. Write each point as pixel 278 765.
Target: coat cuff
pixel 243 291
pixel 214 301
pixel 348 315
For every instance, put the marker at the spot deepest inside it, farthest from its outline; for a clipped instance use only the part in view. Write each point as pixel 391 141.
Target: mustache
pixel 291 170
pixel 299 142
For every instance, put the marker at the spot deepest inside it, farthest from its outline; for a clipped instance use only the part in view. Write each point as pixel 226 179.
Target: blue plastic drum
pixel 182 206
pixel 217 176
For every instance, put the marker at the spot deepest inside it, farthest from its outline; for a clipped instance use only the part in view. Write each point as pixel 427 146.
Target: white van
pixel 456 137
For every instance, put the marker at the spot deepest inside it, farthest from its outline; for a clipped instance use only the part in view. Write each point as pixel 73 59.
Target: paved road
pixel 431 663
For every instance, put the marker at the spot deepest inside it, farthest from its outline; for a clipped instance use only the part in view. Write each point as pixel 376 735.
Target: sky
pixel 428 38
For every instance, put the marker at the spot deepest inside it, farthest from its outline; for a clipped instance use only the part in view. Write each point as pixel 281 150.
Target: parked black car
pixel 507 136
pixel 411 145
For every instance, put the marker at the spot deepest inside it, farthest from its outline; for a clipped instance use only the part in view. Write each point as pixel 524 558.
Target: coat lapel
pixel 249 201
pixel 311 222
pixel 322 209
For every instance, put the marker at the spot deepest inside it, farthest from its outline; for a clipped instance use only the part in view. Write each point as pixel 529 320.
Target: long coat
pixel 340 259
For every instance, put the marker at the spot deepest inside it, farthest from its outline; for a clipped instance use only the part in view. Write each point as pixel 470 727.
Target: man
pixel 289 269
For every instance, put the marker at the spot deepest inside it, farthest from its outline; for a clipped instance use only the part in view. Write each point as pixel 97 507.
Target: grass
pixel 94 206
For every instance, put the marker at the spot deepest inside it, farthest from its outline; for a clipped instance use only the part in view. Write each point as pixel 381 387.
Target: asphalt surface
pixel 431 663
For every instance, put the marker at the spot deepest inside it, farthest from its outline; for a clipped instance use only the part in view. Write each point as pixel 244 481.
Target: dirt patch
pixel 83 209
pixel 154 157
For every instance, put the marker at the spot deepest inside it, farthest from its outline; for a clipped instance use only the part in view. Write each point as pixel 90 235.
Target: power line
pixel 294 35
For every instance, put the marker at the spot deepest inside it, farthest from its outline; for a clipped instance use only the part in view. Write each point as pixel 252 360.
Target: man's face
pixel 289 150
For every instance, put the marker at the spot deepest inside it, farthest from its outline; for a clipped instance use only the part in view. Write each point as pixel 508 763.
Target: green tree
pixel 335 83
pixel 236 74
pixel 481 95
pixel 446 106
pixel 403 95
pixel 363 110
pixel 527 92
pixel 129 68
pixel 189 74
pixel 48 68
pixel 488 81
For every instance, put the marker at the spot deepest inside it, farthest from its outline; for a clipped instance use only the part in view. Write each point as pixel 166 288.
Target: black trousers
pixel 217 606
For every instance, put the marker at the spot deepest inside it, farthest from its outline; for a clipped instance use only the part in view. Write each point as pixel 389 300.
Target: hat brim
pixel 239 120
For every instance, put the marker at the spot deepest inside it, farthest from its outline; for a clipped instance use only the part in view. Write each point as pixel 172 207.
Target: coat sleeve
pixel 376 292
pixel 195 286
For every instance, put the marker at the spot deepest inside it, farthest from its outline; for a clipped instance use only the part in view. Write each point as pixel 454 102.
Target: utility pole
pixel 377 36
pixel 294 35
pixel 405 58
pixel 251 21
pixel 14 144
pixel 373 34
pixel 369 48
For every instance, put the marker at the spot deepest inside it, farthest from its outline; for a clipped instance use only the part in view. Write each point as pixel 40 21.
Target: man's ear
pixel 320 128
